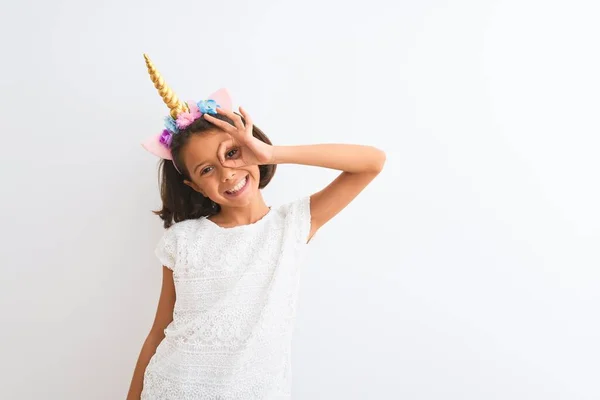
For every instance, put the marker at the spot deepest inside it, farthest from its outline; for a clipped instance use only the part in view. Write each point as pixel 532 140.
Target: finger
pixel 237 120
pixel 224 125
pixel 247 118
pixel 233 163
pixel 224 146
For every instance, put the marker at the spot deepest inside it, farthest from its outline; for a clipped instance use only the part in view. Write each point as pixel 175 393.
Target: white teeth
pixel 238 186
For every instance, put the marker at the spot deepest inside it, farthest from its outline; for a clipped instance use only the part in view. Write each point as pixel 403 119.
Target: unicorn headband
pixel 181 115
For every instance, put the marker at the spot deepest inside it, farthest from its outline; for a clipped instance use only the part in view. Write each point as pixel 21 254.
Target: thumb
pixel 230 163
pixel 222 150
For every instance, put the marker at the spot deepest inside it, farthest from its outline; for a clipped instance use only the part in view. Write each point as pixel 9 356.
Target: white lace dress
pixel 236 290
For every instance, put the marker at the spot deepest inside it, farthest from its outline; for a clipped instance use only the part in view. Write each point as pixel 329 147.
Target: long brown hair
pixel 181 202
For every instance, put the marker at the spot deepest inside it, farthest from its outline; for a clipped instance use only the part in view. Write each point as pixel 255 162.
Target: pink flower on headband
pixel 194 110
pixel 186 118
pixel 166 138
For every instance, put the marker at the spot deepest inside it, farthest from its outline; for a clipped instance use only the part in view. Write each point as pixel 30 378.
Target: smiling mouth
pixel 240 186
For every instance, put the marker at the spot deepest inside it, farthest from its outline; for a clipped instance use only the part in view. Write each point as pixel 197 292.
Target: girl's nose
pixel 227 174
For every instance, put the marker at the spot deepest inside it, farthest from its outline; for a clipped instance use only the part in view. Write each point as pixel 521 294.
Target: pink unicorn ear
pixel 154 146
pixel 222 98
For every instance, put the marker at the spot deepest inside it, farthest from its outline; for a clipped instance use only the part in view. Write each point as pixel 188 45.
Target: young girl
pixel 231 261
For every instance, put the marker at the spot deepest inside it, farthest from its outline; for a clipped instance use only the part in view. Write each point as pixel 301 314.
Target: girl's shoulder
pixel 185 225
pixel 296 217
pixel 294 212
pixel 173 239
pixel 182 228
pixel 297 208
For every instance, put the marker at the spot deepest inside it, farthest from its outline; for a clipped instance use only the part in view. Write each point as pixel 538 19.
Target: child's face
pixel 211 178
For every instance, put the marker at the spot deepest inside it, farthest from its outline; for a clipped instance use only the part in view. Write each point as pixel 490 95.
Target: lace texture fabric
pixel 236 293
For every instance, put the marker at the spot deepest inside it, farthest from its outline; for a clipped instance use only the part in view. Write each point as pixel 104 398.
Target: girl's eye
pixel 231 153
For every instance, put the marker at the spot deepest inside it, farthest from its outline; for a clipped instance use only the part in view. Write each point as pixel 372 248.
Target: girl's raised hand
pixel 253 151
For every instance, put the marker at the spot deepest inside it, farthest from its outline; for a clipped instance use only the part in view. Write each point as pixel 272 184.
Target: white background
pixel 469 269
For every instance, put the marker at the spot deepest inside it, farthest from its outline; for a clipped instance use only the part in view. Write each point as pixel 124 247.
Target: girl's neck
pixel 236 216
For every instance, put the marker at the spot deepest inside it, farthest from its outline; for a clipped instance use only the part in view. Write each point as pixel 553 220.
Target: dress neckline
pixel 244 226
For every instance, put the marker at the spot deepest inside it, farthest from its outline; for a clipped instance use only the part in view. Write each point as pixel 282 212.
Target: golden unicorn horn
pixel 171 100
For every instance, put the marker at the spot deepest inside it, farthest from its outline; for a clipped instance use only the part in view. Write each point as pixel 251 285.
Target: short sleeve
pixel 166 248
pixel 299 215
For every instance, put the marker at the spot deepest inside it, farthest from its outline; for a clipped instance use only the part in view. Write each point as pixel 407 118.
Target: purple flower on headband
pixel 208 106
pixel 166 138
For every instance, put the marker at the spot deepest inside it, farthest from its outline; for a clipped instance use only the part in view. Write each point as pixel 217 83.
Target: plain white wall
pixel 469 269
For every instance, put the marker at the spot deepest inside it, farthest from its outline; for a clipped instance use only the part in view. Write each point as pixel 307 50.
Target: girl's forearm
pixel 148 350
pixel 344 157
